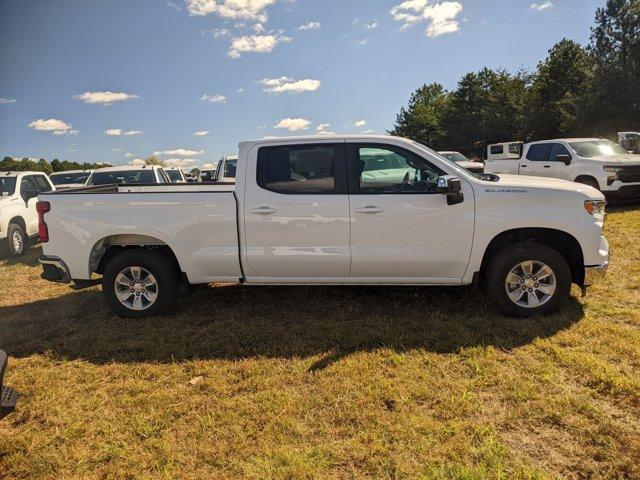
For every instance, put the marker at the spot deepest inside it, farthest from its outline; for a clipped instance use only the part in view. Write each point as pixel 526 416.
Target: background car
pixel 464 162
pixel 176 175
pixel 70 178
pixel 128 174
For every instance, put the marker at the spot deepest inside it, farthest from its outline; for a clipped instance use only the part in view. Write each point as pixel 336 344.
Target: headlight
pixel 611 169
pixel 595 207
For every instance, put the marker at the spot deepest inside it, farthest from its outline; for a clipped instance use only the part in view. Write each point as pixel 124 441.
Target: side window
pixel 41 184
pixel 385 170
pixel 27 188
pixel 558 149
pixel 162 176
pixel 301 169
pixel 497 149
pixel 539 152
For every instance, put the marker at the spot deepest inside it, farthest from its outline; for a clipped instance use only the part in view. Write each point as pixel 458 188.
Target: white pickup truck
pixel 314 211
pixel 595 162
pixel 18 217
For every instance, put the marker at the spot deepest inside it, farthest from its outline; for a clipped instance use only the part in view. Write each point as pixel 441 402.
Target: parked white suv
pixel 129 174
pixel 18 216
pixel 595 162
pixel 70 178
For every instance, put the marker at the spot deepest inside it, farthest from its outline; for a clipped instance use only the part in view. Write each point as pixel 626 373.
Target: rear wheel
pixel 17 240
pixel 528 279
pixel 140 283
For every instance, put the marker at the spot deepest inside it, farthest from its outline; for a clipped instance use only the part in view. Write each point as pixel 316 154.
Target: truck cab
pixel 596 162
pixel 70 178
pixel 18 216
pixel 128 175
pixel 226 169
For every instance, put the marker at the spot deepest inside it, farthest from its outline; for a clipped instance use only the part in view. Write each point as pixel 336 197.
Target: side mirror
pixel 452 188
pixel 566 159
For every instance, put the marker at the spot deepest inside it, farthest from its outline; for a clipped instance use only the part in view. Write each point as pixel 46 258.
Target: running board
pixel 8 396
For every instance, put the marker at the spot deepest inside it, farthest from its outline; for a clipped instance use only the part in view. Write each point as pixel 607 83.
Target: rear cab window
pixel 302 169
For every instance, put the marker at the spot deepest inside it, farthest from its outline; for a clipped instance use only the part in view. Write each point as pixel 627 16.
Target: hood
pixel 523 181
pixel 626 159
pixel 475 166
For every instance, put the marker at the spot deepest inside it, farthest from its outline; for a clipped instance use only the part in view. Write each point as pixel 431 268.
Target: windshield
pixel 597 148
pixel 123 177
pixel 66 178
pixel 174 175
pixel 455 157
pixel 7 185
pixel 230 168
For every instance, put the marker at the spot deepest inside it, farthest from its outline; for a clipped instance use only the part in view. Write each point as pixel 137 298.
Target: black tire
pixel 13 230
pixel 506 259
pixel 592 182
pixel 162 268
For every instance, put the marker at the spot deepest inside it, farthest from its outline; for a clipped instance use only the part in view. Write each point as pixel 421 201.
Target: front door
pixel 401 229
pixel 297 212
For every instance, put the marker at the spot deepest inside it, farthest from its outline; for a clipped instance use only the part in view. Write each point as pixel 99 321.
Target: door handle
pixel 523 166
pixel 369 209
pixel 264 211
pixel 547 166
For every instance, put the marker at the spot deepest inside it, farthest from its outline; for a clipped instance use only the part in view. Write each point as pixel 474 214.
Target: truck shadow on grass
pixel 233 322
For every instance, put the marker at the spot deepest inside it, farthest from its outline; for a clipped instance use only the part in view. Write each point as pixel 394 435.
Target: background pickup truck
pixel 592 161
pixel 331 210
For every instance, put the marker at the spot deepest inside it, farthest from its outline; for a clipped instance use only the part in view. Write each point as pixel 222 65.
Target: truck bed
pixel 198 222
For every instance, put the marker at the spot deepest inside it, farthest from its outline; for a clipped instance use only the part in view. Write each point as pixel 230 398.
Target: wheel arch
pixel 18 220
pixel 564 243
pixel 587 177
pixel 109 247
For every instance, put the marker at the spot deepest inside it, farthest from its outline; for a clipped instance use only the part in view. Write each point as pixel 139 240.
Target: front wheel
pixel 528 279
pixel 140 283
pixel 17 240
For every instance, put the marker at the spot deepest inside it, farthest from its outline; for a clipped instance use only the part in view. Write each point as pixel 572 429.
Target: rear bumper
pixel 54 269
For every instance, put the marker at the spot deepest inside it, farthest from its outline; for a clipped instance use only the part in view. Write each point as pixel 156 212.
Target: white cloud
pixel 367 131
pixel 359 123
pixel 322 129
pixel 129 155
pixel 202 133
pixel 440 16
pixel 217 98
pixel 241 90
pixel 289 85
pixel 5 101
pixel 180 152
pixel 255 43
pixel 539 7
pixel 309 26
pixel 172 5
pixel 232 9
pixel 117 132
pixel 293 124
pixel 257 28
pixel 208 166
pixel 137 162
pixel 362 41
pixel 371 26
pixel 104 98
pixel 220 32
pixel 181 162
pixel 54 126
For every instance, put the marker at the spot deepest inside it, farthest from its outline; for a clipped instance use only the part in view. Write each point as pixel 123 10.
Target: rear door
pixel 296 216
pixel 401 229
pixel 536 161
pixel 29 194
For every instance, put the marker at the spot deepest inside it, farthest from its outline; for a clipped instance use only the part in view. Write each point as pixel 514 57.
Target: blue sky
pixel 116 80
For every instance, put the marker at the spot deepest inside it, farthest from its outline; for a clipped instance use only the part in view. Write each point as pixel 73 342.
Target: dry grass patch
pixel 324 382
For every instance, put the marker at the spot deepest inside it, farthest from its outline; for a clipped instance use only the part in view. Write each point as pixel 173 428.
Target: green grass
pixel 324 382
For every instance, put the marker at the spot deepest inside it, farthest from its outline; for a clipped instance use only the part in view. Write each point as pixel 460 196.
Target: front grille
pixel 629 174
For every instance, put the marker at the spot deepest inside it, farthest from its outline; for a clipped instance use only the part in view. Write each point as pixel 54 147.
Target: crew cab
pixel 595 162
pixel 18 216
pixel 70 178
pixel 314 211
pixel 129 174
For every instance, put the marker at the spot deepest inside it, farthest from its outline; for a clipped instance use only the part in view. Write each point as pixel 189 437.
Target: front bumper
pixel 54 269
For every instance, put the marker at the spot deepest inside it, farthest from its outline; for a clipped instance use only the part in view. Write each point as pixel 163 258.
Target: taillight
pixel 43 230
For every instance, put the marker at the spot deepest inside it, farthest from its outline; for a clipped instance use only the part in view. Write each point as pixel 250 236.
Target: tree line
pixel 28 164
pixel 591 90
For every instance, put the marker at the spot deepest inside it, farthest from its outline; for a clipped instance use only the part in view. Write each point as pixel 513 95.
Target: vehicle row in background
pixel 18 216
pixel 596 162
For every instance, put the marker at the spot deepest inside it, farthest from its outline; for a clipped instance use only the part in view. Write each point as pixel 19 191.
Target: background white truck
pixel 18 217
pixel 592 161
pixel 307 211
pixel 129 174
pixel 70 178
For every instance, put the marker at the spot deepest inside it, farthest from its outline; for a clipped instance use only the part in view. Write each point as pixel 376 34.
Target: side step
pixel 8 396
